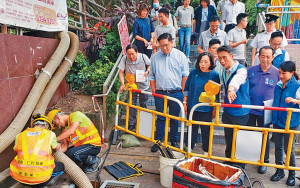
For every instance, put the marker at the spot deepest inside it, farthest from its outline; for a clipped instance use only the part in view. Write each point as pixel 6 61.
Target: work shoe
pixel 279 174
pixel 94 167
pixel 291 178
pixel 174 144
pixel 262 169
pixel 154 148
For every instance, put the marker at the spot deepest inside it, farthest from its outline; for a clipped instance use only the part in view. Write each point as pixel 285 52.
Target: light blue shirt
pixel 167 70
pixel 204 14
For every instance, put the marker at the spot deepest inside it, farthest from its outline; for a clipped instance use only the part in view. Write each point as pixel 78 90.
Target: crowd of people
pixel 221 39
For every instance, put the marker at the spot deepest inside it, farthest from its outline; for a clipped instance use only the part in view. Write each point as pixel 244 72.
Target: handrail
pixel 106 83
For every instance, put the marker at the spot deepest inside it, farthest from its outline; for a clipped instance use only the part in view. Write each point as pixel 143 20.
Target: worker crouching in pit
pixel 34 164
pixel 81 132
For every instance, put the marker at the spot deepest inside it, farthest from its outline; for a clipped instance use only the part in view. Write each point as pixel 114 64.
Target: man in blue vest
pixel 280 55
pixel 236 85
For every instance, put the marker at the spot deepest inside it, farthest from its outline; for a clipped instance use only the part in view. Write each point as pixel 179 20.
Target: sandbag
pixel 129 140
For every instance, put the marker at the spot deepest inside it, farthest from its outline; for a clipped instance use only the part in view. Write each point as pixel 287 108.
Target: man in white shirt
pixel 154 13
pixel 165 27
pixel 262 38
pixel 212 33
pixel 237 39
pixel 220 10
pixel 230 11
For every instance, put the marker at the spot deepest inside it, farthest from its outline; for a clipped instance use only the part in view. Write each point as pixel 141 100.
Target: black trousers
pixel 229 119
pixel 201 116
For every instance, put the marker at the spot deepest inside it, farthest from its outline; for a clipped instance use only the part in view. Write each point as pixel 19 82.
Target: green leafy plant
pixel 251 11
pixel 90 78
pixel 75 77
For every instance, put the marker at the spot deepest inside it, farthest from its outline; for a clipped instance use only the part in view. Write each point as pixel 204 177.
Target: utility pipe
pixel 59 75
pixel 71 169
pixel 16 126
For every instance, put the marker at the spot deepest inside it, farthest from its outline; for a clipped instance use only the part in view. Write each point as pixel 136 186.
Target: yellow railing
pixel 216 123
pixel 129 105
pixel 236 128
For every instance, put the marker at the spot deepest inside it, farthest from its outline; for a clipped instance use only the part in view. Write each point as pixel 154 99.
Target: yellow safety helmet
pixel 39 117
pixel 51 115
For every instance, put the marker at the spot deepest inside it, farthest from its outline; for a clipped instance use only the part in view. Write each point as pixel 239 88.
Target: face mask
pixel 155 5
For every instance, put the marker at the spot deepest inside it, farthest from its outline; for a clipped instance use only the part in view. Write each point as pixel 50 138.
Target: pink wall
pixel 20 56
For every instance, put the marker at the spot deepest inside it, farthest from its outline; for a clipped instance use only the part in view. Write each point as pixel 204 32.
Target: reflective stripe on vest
pixel 34 163
pixel 89 135
pixel 33 175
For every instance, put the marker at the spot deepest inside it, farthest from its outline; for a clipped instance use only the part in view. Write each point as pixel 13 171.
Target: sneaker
pixel 154 148
pixel 94 167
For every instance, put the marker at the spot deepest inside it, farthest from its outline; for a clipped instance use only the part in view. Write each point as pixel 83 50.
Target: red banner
pixel 123 32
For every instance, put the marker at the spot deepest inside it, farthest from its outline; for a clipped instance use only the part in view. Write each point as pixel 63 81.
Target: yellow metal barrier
pixel 236 128
pixel 154 114
pixel 190 122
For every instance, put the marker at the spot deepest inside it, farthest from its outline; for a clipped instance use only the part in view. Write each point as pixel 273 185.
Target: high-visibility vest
pixel 85 135
pixel 34 162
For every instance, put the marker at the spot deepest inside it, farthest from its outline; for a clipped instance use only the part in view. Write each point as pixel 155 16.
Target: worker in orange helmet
pixel 81 132
pixel 34 164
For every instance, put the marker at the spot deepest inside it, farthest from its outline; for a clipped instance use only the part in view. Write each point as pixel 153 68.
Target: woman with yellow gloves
pixel 81 132
pixel 34 164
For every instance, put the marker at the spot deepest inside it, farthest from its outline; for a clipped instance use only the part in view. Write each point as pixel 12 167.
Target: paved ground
pixel 150 163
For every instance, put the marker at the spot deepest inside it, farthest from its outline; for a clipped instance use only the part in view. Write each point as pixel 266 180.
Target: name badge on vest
pixel 34 133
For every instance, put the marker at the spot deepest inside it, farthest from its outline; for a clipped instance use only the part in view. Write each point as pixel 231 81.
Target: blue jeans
pixel 281 142
pixel 184 34
pixel 174 110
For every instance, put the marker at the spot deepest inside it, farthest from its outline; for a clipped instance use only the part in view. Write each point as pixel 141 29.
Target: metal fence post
pixel 104 104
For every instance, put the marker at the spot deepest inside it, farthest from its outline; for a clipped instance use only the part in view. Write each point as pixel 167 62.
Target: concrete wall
pixel 20 57
pixel 294 52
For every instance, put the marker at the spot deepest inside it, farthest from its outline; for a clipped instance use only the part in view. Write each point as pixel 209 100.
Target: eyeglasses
pixel 165 45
